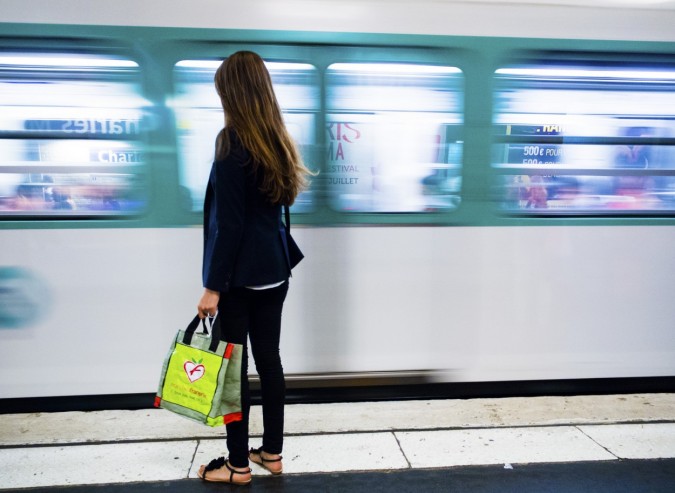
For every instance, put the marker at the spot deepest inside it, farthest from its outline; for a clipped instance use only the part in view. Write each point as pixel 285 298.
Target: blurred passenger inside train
pixel 633 156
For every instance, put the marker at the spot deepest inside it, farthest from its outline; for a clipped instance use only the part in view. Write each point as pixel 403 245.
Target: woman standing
pixel 257 169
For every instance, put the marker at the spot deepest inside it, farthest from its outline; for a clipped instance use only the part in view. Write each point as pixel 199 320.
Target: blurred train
pixel 495 201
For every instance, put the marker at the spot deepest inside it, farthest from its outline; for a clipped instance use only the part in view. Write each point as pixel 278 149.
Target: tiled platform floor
pixel 59 449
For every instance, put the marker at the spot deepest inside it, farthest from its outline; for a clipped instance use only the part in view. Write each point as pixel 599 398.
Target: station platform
pixel 576 443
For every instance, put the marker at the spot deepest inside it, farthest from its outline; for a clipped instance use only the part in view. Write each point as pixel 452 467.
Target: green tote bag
pixel 201 376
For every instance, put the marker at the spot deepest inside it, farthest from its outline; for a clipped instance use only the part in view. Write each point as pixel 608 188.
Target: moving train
pixel 494 203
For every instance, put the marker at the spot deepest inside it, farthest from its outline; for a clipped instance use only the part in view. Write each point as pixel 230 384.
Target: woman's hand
pixel 208 305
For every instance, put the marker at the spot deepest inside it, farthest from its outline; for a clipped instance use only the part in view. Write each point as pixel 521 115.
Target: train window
pixel 199 118
pixel 70 136
pixel 394 137
pixel 585 139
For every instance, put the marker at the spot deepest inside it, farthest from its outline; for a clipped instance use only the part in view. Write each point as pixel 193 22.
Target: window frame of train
pixel 292 80
pixel 538 161
pixel 321 57
pixel 386 81
pixel 91 163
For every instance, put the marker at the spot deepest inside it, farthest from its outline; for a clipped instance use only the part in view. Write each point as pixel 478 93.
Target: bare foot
pixel 226 473
pixel 271 462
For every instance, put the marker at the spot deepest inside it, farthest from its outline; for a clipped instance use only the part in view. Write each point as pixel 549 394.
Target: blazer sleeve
pixel 225 226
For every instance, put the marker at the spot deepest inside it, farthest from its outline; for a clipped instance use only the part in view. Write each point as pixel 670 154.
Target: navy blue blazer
pixel 242 231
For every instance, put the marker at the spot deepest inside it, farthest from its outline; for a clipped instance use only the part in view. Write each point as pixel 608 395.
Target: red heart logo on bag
pixel 194 370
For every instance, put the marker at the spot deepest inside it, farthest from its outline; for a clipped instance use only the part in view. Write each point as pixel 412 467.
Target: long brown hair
pixel 252 111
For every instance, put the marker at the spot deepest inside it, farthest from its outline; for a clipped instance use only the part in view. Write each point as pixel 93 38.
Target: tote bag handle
pixel 216 333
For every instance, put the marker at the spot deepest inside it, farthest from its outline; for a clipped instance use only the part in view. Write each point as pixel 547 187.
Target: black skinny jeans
pixel 256 313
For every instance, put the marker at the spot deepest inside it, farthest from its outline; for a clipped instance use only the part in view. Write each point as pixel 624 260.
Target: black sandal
pixel 262 460
pixel 218 464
